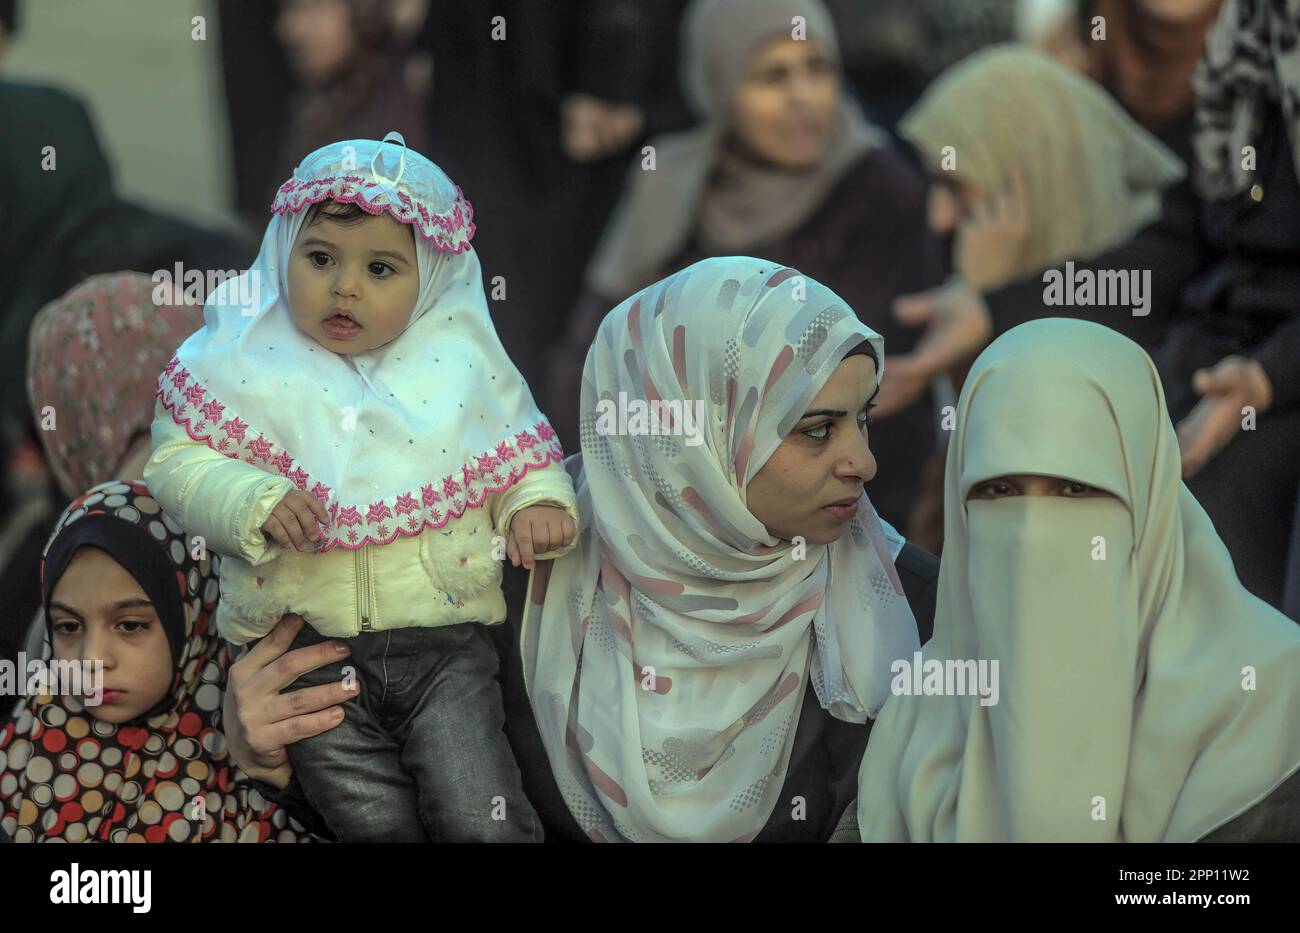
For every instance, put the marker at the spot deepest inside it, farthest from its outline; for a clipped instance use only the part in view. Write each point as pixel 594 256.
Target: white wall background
pixel 154 94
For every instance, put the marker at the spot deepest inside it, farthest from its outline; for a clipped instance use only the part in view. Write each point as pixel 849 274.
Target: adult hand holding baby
pixel 536 530
pixel 292 523
pixel 259 721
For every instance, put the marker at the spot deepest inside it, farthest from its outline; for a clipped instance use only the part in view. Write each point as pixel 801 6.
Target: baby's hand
pixel 292 523
pixel 536 530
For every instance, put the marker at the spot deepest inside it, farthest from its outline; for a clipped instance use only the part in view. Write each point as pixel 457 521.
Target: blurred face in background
pixel 788 102
pixel 318 36
pixel 950 203
pixel 1176 12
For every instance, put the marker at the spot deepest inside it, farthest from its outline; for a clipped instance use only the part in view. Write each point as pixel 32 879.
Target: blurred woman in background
pixel 94 356
pixel 783 166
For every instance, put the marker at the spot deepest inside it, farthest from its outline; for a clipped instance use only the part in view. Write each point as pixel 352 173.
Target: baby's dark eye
pixel 382 269
pixel 316 259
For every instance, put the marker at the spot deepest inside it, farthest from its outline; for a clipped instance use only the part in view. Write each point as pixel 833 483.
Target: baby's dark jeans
pixel 421 753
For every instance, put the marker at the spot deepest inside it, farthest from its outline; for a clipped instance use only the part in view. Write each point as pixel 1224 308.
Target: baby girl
pixel 356 442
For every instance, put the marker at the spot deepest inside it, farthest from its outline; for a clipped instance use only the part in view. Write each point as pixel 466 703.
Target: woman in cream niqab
pixel 1145 695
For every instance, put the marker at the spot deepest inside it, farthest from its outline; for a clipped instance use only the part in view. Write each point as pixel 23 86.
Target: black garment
pixel 1225 279
pixel 20 594
pixel 1276 818
pixel 1291 592
pixel 497 123
pixel 257 81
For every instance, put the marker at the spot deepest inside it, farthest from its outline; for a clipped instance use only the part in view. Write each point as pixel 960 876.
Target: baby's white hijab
pixel 1144 694
pixel 667 656
pixel 397 439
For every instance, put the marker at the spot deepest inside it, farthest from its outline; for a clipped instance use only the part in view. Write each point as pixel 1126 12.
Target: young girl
pixel 348 429
pixel 140 756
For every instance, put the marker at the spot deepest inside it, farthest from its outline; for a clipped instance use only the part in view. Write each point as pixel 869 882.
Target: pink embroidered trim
pixel 431 506
pixel 449 231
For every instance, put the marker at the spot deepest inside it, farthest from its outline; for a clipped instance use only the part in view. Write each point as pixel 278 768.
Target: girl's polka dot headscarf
pixel 67 776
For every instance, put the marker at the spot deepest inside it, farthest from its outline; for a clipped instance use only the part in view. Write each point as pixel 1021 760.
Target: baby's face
pixel 353 285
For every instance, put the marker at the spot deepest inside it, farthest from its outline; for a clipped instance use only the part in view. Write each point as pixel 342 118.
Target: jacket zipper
pixel 361 562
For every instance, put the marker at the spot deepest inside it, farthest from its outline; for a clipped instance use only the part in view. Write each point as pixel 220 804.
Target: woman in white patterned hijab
pixel 667 656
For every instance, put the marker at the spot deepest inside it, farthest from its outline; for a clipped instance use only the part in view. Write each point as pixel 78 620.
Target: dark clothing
pixel 257 81
pixel 827 752
pixel 63 223
pixel 1231 267
pixel 1291 592
pixel 1276 818
pixel 1249 488
pixel 497 131
pixel 1225 279
pixel 868 242
pixel 420 754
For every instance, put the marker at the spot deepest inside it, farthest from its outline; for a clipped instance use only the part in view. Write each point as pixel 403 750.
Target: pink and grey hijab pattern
pixel 667 656
pixel 93 353
pixel 67 776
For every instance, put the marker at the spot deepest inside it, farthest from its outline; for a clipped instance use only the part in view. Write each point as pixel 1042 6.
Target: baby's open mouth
pixel 340 326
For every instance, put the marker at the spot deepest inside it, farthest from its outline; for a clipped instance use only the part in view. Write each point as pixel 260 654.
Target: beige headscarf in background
pixel 1145 696
pixel 1092 175
pixel 738 205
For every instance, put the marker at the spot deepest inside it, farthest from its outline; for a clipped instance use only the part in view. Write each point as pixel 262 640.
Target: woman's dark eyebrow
pixel 833 412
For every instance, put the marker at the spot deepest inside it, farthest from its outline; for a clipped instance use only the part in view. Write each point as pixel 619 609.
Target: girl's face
pixel 811 484
pixel 100 613
pixel 353 285
pixel 788 102
pixel 1031 484
pixel 317 35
